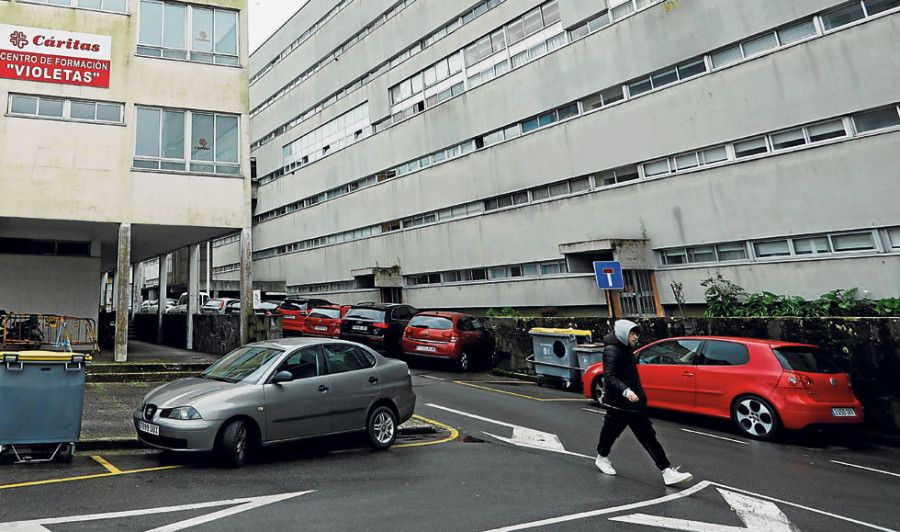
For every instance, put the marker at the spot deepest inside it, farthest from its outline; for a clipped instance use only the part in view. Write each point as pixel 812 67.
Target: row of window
pixel 301 39
pixel 115 6
pixel 321 288
pixel 67 109
pixel 335 134
pixel 442 32
pixel 887 117
pixel 530 269
pixel 186 141
pixel 227 268
pixel 29 246
pixel 886 240
pixel 334 55
pixel 183 31
pixel 227 239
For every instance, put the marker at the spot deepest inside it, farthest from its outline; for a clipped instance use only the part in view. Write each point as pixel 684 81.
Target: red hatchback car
pixel 453 336
pixel 762 385
pixel 324 321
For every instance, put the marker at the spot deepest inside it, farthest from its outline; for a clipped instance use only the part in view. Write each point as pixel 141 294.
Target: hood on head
pixel 622 328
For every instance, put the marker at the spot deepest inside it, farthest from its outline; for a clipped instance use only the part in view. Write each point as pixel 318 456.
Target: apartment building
pixel 125 135
pixel 484 154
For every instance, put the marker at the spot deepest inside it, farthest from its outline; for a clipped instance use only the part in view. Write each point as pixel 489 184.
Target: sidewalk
pixel 108 406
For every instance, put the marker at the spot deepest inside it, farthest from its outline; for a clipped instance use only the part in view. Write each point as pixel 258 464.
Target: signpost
pixel 609 277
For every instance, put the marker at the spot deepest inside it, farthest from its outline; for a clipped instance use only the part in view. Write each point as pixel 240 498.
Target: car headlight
pixel 182 412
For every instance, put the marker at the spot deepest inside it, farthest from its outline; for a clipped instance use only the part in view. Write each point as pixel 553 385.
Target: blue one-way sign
pixel 609 275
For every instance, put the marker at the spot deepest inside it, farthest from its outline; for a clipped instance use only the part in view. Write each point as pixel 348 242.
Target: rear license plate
pixel 843 412
pixel 320 327
pixel 360 328
pixel 425 348
pixel 148 428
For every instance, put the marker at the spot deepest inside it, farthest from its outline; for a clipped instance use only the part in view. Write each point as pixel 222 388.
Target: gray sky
pixel 266 16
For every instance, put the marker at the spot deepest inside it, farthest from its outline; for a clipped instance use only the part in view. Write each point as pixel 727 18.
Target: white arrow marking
pixel 521 436
pixel 758 516
pixel 38 525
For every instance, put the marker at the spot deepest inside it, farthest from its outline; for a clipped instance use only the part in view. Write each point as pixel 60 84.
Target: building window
pixel 80 110
pixel 853 242
pixel 180 31
pixel 750 147
pixel 774 248
pixel 876 119
pixel 116 6
pixel 191 141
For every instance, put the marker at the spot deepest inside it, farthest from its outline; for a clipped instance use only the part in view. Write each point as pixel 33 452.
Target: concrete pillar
pixel 137 283
pixel 193 289
pixel 163 290
pixel 246 283
pixel 123 262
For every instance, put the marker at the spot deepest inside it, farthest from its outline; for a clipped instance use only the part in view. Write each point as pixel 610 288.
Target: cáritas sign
pixel 38 54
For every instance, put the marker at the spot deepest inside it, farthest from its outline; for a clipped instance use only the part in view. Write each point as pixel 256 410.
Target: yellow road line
pixel 464 383
pixel 109 467
pixel 453 433
pixel 87 477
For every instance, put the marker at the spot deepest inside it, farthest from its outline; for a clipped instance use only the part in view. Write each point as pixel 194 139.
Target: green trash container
pixel 43 395
pixel 554 353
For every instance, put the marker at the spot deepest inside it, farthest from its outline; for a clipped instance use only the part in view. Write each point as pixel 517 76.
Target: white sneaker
pixel 604 465
pixel 673 476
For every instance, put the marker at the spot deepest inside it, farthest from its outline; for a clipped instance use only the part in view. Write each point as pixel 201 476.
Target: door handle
pixel 687 374
pixel 323 388
pixel 373 380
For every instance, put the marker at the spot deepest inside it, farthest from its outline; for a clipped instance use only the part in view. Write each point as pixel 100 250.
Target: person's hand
pixel 631 396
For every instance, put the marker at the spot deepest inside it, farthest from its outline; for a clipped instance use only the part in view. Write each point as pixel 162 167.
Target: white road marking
pixel 431 377
pixel 714 436
pixel 473 416
pixel 756 514
pixel 594 410
pixel 248 503
pixel 866 468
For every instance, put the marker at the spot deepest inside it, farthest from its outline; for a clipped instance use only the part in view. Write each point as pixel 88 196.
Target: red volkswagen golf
pixel 762 385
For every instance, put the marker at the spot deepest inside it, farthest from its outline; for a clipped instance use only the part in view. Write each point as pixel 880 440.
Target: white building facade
pixel 124 136
pixel 485 154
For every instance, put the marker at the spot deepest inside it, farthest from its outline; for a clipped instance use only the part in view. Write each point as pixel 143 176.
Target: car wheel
pixel 464 361
pixel 235 443
pixel 755 417
pixel 382 428
pixel 597 389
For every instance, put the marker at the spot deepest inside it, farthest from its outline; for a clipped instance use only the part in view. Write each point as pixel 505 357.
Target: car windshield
pixel 366 314
pixel 332 313
pixel 431 322
pixel 806 359
pixel 242 364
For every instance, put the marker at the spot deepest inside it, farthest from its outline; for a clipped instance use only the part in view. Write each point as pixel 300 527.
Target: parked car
pixel 294 310
pixel 452 336
pixel 182 303
pixel 217 305
pixel 324 321
pixel 154 306
pixel 266 308
pixel 761 385
pixel 273 391
pixel 145 306
pixel 378 325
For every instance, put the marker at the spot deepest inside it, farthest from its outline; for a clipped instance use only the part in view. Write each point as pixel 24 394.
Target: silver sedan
pixel 277 391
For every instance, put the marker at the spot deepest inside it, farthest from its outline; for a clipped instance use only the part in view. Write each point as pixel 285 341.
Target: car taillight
pixel 379 328
pixel 794 380
pixel 406 332
pixel 454 337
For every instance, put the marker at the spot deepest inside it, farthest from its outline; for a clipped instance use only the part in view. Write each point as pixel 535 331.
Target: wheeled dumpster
pixel 43 402
pixel 588 355
pixel 554 353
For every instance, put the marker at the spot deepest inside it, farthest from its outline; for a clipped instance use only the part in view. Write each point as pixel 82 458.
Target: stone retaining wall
pixel 869 348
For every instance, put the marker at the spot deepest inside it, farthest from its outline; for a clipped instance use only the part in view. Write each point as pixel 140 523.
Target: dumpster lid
pixel 43 356
pixel 559 332
pixel 590 348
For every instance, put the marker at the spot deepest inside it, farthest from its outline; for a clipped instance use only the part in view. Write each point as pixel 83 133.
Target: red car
pixel 761 385
pixel 453 336
pixel 294 311
pixel 324 321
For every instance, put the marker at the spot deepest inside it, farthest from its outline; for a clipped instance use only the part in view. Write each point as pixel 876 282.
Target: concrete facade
pixel 82 192
pixel 633 123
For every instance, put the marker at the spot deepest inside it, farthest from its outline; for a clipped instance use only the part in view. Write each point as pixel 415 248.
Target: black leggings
pixel 614 423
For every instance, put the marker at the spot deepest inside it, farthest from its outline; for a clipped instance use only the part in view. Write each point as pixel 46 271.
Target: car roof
pixel 379 306
pixel 442 313
pixel 298 341
pixel 742 339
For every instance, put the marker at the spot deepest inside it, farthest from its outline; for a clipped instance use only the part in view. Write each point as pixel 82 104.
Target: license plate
pixel 425 348
pixel 289 317
pixel 360 328
pixel 320 327
pixel 148 428
pixel 843 412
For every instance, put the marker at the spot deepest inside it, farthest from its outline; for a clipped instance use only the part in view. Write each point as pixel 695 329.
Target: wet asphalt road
pixel 475 474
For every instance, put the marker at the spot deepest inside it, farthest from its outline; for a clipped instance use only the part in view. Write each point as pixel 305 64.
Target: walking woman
pixel 625 403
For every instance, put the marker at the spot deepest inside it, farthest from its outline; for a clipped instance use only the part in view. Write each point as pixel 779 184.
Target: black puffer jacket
pixel 619 374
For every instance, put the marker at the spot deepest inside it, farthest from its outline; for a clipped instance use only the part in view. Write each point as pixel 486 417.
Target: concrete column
pixel 246 283
pixel 163 290
pixel 123 262
pixel 193 289
pixel 137 283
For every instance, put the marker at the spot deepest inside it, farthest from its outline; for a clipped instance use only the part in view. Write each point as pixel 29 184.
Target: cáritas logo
pixel 18 39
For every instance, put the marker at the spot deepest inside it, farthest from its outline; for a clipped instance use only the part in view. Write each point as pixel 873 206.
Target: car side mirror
pixel 282 376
